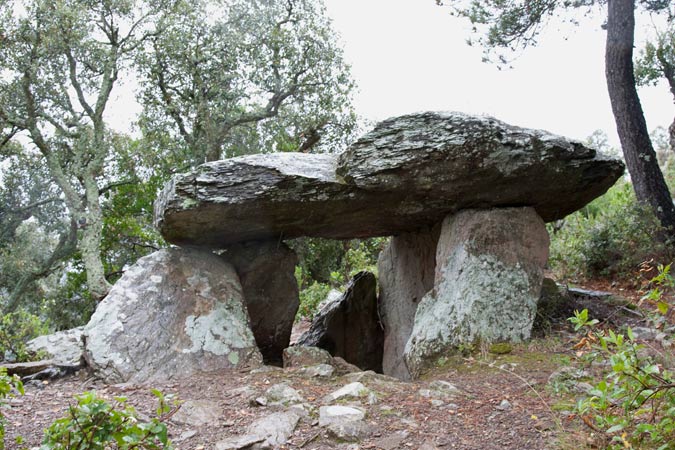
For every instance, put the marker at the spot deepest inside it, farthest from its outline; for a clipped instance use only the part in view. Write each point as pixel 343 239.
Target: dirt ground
pixel 506 401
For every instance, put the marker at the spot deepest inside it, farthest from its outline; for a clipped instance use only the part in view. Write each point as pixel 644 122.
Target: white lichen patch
pixel 218 332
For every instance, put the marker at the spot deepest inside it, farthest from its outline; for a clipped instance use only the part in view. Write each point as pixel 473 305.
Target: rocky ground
pixel 484 401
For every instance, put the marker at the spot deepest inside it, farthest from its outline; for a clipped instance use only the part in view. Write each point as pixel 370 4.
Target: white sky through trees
pixel 411 55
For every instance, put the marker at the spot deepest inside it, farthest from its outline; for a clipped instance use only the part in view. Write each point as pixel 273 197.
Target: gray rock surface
pixel 406 269
pixel 270 432
pixel 333 414
pixel 477 162
pixel 282 394
pixel 303 356
pixel 174 313
pixel 267 274
pixel 354 390
pixel 63 347
pixel 489 272
pixel 350 327
pixel 197 413
pixel 409 172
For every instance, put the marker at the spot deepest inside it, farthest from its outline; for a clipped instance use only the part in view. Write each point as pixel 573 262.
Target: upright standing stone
pixel 267 273
pixel 490 266
pixel 349 327
pixel 406 268
pixel 174 313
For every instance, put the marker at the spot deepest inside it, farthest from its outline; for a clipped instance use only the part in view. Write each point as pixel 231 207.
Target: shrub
pixel 633 405
pixel 16 329
pixel 610 236
pixel 7 385
pixel 95 424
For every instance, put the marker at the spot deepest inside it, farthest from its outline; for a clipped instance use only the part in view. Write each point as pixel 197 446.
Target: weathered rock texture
pixel 350 327
pixel 63 347
pixel 407 173
pixel 406 268
pixel 488 279
pixel 461 161
pixel 267 274
pixel 174 313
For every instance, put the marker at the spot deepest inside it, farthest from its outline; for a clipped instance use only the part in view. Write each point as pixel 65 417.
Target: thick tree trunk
pixel 90 242
pixel 648 182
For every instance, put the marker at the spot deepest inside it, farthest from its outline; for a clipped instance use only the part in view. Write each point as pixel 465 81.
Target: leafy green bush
pixel 7 384
pixel 633 405
pixel 16 329
pixel 610 236
pixel 311 296
pixel 95 424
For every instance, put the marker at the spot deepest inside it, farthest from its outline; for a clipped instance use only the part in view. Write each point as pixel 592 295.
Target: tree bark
pixel 648 182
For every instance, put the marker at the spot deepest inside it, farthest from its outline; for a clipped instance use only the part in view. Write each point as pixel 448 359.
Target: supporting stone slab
pixel 174 313
pixel 267 273
pixel 406 270
pixel 489 272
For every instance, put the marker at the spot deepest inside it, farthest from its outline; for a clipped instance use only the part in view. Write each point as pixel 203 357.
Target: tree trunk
pixel 90 243
pixel 648 182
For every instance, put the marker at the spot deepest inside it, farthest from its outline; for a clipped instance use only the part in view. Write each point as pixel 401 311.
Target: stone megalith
pixel 174 313
pixel 349 326
pixel 267 274
pixel 409 172
pixel 490 266
pixel 406 267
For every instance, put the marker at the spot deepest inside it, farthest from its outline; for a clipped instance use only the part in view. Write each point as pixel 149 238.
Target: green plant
pixel 7 385
pixel 633 405
pixel 94 424
pixel 16 329
pixel 610 236
pixel 310 298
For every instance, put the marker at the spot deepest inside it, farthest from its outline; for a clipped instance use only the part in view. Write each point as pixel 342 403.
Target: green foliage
pixel 327 264
pixel 7 385
pixel 310 297
pixel 245 76
pixel 610 236
pixel 634 403
pixel 94 424
pixel 16 329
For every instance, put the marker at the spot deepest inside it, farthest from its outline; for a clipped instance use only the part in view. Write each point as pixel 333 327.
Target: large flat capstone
pixel 409 172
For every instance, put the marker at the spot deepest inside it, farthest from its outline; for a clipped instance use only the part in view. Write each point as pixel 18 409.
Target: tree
pixel 516 24
pixel 60 61
pixel 245 76
pixel 657 61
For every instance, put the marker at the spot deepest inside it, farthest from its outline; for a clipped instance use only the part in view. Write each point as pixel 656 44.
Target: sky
pixel 411 55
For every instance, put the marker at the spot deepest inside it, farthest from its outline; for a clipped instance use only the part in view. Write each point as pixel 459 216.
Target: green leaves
pixel 7 384
pixel 95 424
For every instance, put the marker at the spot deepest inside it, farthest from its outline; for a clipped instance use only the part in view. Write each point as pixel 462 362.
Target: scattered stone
pixel 185 435
pixel 645 333
pixel 355 390
pixel 440 390
pixel 267 274
pixel 320 371
pixel 303 356
pixel 266 369
pixel 350 327
pixel 348 431
pixel 269 432
pixel 336 414
pixel 406 269
pixel 282 394
pixel 198 413
pixel 343 367
pixel 63 347
pixel 504 405
pixel 436 402
pixel 173 313
pixel 391 441
pixel 488 280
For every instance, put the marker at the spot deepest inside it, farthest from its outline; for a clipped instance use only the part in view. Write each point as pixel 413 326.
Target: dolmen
pixel 465 199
